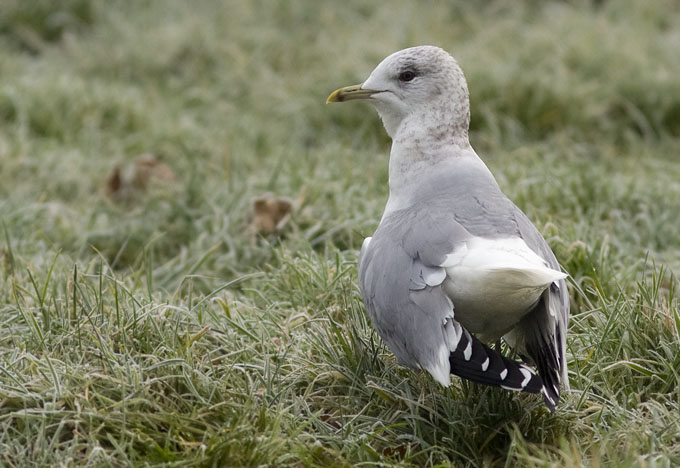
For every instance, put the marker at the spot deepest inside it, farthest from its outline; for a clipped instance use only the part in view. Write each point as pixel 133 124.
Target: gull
pixel 454 264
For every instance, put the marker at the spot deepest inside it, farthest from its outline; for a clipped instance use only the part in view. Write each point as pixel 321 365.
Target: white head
pixel 420 85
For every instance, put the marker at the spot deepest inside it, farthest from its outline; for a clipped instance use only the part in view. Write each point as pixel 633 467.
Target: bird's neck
pixel 413 163
pixel 426 141
pixel 434 126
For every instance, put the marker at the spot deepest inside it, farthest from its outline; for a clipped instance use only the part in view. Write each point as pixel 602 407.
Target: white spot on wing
pixel 467 354
pixel 527 375
pixel 514 389
pixel 504 374
pixel 545 393
pixel 485 365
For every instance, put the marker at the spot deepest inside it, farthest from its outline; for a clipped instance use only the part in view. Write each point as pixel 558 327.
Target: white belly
pixel 494 283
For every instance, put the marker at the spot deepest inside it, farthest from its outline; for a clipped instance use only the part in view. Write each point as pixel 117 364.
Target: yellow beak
pixel 349 93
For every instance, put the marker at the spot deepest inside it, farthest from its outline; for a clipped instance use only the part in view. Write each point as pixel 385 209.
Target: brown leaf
pixel 133 180
pixel 269 213
pixel 398 451
pixel 147 169
pixel 113 181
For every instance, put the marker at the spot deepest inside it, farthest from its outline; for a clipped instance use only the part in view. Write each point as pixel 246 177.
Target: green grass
pixel 159 332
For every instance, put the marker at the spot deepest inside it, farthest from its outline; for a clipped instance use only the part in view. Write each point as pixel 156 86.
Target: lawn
pixel 143 321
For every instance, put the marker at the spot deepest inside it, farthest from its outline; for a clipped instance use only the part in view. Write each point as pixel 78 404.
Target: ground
pixel 144 321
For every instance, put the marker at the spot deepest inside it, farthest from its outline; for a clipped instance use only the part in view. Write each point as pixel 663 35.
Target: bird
pixel 454 265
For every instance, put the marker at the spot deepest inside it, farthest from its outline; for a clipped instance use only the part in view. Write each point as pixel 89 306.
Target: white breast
pixel 494 282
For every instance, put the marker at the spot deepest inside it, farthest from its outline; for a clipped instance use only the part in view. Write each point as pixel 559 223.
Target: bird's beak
pixel 349 93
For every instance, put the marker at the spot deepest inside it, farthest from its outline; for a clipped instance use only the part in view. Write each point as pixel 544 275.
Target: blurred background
pixel 575 106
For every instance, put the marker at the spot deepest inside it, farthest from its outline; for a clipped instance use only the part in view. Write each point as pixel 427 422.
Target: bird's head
pixel 424 83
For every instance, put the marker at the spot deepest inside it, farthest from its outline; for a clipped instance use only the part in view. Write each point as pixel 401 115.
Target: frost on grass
pixel 152 363
pixel 125 183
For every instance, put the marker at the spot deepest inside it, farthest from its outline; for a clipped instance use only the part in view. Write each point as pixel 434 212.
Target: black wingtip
pixel 550 398
pixel 475 361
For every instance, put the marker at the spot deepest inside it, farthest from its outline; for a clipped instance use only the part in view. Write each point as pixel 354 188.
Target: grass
pixel 157 331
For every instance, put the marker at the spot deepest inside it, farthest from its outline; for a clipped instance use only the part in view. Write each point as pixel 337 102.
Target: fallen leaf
pixel 148 169
pixel 269 213
pixel 125 183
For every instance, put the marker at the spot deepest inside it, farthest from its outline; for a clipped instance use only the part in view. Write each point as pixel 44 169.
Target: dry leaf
pixel 127 182
pixel 148 169
pixel 269 213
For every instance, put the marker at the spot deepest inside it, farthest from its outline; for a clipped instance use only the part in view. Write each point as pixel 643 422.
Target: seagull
pixel 454 264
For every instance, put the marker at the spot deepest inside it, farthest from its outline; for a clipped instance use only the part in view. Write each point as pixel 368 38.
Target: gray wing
pixel 394 271
pixel 401 287
pixel 481 208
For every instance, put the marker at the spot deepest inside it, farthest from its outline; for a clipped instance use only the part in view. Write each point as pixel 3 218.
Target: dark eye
pixel 407 75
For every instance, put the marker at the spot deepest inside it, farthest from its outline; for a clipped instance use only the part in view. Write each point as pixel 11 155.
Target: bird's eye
pixel 407 75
